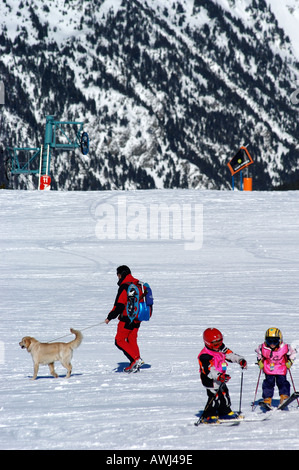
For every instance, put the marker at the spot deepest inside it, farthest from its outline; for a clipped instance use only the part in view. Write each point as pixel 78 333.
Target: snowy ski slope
pixel 222 259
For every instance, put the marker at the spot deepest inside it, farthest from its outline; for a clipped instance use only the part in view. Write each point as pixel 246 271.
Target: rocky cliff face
pixel 168 91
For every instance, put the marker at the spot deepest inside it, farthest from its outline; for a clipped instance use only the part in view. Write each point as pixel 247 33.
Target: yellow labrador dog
pixel 48 353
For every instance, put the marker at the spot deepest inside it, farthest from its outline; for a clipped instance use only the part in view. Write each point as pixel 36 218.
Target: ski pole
pixel 257 386
pixel 241 390
pixel 293 384
pixel 213 397
pixel 210 402
pixel 286 358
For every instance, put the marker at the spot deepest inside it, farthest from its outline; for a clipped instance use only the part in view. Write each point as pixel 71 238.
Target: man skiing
pixel 275 358
pixel 127 330
pixel 213 360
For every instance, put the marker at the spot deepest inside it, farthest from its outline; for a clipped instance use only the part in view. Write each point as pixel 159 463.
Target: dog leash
pixel 82 329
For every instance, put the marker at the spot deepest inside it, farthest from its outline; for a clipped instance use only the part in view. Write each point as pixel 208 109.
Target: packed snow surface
pixel 223 259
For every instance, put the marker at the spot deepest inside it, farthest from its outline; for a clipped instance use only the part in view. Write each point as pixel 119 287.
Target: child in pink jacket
pixel 213 360
pixel 275 358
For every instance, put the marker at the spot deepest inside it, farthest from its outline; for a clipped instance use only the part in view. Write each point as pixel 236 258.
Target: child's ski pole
pixel 241 390
pixel 257 386
pixel 286 358
pixel 210 402
pixel 293 384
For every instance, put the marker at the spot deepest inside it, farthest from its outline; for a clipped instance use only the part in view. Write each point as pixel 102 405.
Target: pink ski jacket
pixel 219 359
pixel 275 361
pixel 212 362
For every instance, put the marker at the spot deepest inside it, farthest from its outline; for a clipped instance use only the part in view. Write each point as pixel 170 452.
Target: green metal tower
pixel 59 135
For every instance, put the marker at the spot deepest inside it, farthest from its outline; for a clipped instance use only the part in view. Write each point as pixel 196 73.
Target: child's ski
pixel 232 422
pixel 228 422
pixel 265 406
pixel 289 400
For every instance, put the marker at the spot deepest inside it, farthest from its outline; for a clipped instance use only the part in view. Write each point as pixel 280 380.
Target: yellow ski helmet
pixel 273 337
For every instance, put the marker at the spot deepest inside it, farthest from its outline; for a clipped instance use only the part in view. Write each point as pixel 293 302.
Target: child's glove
pixel 260 363
pixel 222 377
pixel 243 363
pixel 289 363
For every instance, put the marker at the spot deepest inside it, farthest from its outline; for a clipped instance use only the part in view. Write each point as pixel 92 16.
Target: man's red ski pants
pixel 126 340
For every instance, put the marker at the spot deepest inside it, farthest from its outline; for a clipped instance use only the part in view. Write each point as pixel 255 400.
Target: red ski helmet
pixel 213 338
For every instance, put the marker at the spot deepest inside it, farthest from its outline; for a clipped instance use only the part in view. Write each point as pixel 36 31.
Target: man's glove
pixel 222 377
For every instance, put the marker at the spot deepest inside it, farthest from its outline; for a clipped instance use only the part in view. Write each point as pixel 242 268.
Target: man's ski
pixel 289 400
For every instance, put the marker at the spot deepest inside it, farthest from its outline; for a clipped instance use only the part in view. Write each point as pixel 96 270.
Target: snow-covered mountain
pixel 58 271
pixel 168 91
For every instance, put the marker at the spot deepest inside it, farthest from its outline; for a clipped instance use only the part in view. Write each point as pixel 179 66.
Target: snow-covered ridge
pixel 168 91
